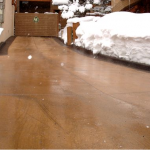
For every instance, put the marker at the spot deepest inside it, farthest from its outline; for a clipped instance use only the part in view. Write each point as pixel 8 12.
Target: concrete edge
pixel 111 59
pixel 4 46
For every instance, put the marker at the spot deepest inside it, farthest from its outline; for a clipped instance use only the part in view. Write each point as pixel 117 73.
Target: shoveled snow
pixel 82 19
pixel 63 33
pixel 121 34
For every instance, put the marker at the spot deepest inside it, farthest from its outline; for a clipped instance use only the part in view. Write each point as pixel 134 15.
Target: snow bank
pixel 82 19
pixel 120 34
pixel 63 32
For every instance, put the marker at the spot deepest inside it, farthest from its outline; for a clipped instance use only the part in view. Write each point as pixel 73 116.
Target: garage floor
pixel 61 99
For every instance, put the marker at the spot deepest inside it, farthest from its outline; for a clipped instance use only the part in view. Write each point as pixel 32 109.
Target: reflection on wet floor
pixel 52 97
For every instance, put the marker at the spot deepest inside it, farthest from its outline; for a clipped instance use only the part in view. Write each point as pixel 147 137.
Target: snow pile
pixel 121 34
pixel 59 2
pixel 82 19
pixel 1 30
pixel 63 32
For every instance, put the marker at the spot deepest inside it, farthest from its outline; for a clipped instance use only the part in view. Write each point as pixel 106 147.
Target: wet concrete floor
pixel 62 99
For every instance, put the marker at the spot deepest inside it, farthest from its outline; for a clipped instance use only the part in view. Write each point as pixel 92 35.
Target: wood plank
pixel 46 26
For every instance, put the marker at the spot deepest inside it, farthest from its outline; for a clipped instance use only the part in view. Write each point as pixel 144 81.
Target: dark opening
pixel 32 7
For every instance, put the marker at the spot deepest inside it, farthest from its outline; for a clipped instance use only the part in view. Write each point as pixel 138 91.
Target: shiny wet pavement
pixel 62 99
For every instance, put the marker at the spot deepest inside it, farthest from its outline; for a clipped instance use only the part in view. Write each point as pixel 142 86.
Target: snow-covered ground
pixel 121 34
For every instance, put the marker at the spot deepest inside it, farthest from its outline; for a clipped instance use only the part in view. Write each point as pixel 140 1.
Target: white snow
pixel 121 34
pixel 63 7
pixel 88 6
pixel 73 7
pixel 81 9
pixel 70 8
pixel 48 13
pixel 82 19
pixel 1 30
pixel 63 32
pixel 97 1
pixel 29 57
pixel 68 11
pixel 67 14
pixel 59 2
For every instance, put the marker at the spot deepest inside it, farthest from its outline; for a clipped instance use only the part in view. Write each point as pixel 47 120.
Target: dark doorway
pixel 32 7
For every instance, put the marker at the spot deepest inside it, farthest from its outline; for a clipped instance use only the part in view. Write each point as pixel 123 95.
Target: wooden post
pixel 57 25
pixel 75 26
pixel 69 35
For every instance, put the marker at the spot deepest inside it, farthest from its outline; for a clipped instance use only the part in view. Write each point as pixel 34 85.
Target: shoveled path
pixel 62 99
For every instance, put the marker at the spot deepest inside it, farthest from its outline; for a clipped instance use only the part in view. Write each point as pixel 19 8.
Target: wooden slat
pixel 75 26
pixel 69 35
pixel 47 25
